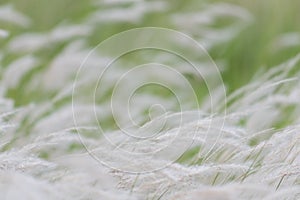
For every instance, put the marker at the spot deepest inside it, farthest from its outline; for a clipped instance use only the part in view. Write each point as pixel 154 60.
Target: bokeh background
pixel 244 38
pixel 270 38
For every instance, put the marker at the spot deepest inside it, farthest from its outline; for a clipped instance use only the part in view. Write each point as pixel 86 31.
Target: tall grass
pixel 75 125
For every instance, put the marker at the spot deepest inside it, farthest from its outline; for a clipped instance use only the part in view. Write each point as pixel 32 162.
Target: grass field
pixel 137 99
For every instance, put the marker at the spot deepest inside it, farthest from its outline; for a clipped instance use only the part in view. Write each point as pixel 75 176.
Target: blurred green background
pixel 253 49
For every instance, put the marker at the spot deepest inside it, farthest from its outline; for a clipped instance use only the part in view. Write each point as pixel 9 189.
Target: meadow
pixel 150 100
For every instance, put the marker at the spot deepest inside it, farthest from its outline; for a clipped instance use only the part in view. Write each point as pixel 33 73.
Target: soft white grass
pixel 254 154
pixel 3 33
pixel 9 15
